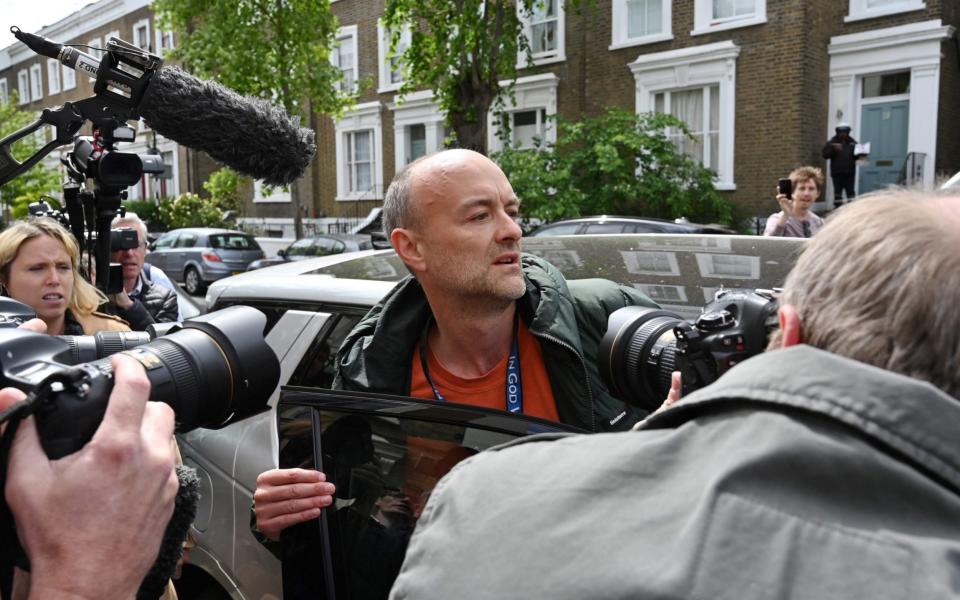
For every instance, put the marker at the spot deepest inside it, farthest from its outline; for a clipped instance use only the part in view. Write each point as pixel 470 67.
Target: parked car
pixel 612 224
pixel 199 256
pixel 953 182
pixel 318 245
pixel 408 443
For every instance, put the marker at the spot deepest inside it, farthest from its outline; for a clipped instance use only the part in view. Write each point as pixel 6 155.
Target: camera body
pixel 123 238
pixel 643 346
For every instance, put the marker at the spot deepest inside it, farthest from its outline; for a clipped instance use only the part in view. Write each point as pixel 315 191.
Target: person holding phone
pixel 795 196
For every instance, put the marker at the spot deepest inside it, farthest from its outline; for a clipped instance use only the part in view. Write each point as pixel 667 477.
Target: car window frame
pixel 317 400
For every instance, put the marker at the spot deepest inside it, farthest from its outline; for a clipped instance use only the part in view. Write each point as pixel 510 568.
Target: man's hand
pixel 91 522
pixel 786 205
pixel 122 300
pixel 285 497
pixel 36 325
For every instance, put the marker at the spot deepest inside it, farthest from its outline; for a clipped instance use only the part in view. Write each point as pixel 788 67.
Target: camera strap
pixel 513 385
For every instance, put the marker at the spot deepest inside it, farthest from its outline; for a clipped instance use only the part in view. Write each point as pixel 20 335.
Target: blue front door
pixel 884 125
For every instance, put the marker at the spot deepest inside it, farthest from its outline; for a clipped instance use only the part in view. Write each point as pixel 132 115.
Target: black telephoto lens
pixel 638 354
pixel 87 348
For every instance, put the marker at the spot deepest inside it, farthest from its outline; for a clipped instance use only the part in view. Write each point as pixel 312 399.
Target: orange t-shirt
pixel 489 390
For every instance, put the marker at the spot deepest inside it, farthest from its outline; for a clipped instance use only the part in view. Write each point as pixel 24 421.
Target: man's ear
pixel 407 245
pixel 790 330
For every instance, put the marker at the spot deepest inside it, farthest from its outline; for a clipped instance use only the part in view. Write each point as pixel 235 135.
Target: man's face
pixel 132 259
pixel 466 228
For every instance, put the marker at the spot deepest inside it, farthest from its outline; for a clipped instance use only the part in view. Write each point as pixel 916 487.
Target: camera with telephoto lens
pixel 643 346
pixel 212 370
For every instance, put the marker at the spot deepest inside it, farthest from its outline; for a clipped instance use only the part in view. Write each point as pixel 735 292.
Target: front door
pixel 884 126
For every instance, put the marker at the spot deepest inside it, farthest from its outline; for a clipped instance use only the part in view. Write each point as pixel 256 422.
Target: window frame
pixel 93 49
pixel 36 82
pixel 619 21
pixel 555 56
pixel 23 86
pixel 68 78
pixel 704 21
pixel 145 23
pixel 161 35
pixel 278 195
pixel 383 46
pixel 530 93
pixel 697 66
pixel 859 10
pixel 53 76
pixel 363 117
pixel 4 92
pixel 347 31
pixel 708 127
pixel 417 108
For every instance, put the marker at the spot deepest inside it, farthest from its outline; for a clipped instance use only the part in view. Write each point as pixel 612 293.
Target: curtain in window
pixel 544 21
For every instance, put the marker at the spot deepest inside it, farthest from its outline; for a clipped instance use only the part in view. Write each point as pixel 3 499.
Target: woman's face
pixel 41 277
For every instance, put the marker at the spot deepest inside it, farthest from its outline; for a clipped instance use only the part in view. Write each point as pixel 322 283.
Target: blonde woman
pixel 39 267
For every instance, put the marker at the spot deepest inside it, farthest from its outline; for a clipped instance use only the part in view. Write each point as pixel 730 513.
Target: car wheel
pixel 192 282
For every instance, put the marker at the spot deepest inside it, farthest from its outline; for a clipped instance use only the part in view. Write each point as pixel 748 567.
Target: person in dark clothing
pixel 143 302
pixel 840 149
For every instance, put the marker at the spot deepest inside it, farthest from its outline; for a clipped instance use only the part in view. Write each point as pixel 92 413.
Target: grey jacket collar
pixel 910 416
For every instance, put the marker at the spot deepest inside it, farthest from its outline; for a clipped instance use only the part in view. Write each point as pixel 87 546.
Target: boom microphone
pixel 247 134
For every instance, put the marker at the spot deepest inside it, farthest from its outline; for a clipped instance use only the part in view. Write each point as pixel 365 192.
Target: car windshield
pixel 233 241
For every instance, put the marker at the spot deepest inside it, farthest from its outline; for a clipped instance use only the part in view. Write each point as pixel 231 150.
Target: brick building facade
pixel 762 84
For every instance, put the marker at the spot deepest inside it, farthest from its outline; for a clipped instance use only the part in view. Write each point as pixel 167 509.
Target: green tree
pixel 461 49
pixel 273 49
pixel 41 180
pixel 225 187
pixel 189 210
pixel 617 163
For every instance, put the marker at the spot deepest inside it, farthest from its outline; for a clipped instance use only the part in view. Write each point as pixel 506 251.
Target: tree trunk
pixel 297 213
pixel 471 135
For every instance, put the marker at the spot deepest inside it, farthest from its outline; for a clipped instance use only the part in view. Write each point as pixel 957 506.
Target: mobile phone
pixel 785 187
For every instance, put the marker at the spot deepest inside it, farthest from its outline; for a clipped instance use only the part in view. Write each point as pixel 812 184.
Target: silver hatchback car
pixel 196 257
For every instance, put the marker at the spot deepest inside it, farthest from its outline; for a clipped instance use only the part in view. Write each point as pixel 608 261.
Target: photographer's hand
pixel 122 300
pixel 91 522
pixel 285 497
pixel 36 325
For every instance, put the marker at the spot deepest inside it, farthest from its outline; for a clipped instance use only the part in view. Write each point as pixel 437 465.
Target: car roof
pixel 205 230
pixel 679 271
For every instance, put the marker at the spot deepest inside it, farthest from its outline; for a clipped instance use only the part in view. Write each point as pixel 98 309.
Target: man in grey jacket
pixel 828 467
pixel 148 296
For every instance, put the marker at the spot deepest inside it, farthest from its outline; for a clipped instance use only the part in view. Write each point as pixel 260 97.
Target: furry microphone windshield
pixel 247 134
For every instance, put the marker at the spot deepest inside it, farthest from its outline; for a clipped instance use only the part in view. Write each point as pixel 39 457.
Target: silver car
pixel 311 305
pixel 199 256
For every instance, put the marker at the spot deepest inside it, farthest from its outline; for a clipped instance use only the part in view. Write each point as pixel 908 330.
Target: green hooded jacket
pixel 568 318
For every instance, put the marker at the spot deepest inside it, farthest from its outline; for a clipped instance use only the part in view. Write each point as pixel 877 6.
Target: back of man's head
pixel 880 283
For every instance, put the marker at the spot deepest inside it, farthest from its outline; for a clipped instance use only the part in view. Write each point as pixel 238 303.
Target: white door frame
pixel 915 47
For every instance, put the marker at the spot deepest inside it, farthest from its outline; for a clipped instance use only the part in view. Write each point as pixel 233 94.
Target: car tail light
pixel 211 257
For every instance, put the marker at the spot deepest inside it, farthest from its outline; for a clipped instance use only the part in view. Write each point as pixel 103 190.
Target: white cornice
pixel 923 31
pixel 685 56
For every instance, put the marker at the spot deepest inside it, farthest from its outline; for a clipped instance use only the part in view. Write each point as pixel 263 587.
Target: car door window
pixel 317 368
pixel 327 246
pixel 186 240
pixel 644 228
pixel 604 228
pixel 562 229
pixel 384 462
pixel 166 241
pixel 302 247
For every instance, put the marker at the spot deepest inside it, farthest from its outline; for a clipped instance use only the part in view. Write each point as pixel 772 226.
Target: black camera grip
pixel 70 408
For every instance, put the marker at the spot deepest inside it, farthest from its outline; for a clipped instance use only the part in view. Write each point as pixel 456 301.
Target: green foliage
pixel 618 163
pixel 225 187
pixel 189 210
pixel 461 49
pixel 273 49
pixel 39 181
pixel 147 210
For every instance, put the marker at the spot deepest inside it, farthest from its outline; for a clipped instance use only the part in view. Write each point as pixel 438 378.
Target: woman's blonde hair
pixel 85 298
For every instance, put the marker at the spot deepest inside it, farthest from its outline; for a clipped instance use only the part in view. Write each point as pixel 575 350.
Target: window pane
pixel 526 127
pixel 362 146
pixel 878 3
pixel 728 9
pixel 644 17
pixel 886 85
pixel 544 37
pixel 418 141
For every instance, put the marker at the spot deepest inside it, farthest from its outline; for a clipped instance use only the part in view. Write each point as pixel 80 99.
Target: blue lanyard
pixel 514 385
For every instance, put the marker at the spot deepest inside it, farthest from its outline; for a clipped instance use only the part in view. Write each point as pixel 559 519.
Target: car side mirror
pixel 282 253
